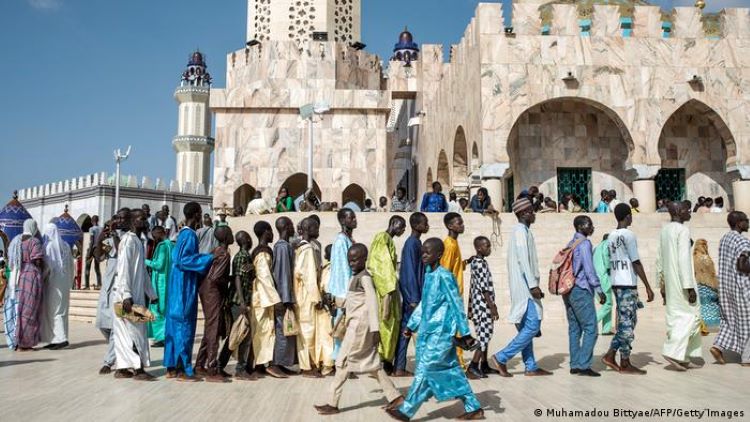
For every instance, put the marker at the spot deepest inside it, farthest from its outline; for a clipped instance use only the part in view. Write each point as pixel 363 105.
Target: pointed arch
pixel 443 170
pixel 296 185
pixel 429 179
pixel 242 196
pixel 474 157
pixel 697 141
pixel 460 160
pixel 354 193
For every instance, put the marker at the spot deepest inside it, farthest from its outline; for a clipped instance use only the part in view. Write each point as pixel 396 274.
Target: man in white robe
pixel 132 287
pixel 58 260
pixel 674 270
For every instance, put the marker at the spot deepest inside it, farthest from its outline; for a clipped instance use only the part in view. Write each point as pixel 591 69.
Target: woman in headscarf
pixel 708 286
pixel 26 255
pixel 284 202
pixel 58 261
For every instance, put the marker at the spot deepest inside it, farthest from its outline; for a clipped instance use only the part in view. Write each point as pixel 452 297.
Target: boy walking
pixel 359 348
pixel 579 302
pixel 625 267
pixel 438 320
pixel 482 308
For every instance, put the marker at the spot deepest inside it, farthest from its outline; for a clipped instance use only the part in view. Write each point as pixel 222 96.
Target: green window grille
pixel 576 181
pixel 670 184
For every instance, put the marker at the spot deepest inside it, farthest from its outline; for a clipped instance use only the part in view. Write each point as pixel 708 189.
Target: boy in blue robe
pixel 438 320
pixel 410 280
pixel 188 268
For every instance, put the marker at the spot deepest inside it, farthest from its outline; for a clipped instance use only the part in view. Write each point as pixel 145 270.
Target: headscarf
pixel 15 254
pixel 53 248
pixel 705 272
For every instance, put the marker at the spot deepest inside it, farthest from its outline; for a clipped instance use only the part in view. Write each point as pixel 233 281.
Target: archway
pixel 443 172
pixel 460 162
pixel 474 157
pixel 696 149
pixel 296 185
pixel 354 193
pixel 242 196
pixel 570 145
pixel 429 179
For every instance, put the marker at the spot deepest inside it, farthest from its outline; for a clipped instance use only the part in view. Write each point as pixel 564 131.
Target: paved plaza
pixel 64 385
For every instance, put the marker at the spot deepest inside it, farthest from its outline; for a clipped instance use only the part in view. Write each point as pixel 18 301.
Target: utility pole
pixel 119 158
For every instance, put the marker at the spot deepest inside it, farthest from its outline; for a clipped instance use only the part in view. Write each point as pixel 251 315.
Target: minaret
pixel 193 142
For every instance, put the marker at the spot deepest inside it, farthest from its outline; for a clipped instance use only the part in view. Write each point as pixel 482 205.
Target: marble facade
pixel 471 111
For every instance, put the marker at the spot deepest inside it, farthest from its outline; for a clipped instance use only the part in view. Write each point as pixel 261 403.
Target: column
pixel 645 191
pixel 494 186
pixel 741 195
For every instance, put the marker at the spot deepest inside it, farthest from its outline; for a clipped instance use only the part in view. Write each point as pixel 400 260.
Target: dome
pixel 69 229
pixel 196 59
pixel 405 37
pixel 12 216
pixel 406 42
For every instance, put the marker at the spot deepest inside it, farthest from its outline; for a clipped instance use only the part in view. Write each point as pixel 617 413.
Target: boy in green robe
pixel 159 265
pixel 382 264
pixel 601 264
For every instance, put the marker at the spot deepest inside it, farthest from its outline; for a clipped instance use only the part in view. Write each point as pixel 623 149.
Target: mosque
pixel 573 97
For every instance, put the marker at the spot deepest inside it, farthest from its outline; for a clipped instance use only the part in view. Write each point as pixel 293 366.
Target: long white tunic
pixel 523 273
pixel 57 300
pixel 674 267
pixel 132 281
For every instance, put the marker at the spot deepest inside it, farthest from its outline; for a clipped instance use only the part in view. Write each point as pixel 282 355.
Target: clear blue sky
pixel 84 77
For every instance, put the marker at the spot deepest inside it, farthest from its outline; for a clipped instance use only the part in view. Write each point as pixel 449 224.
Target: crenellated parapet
pixel 104 180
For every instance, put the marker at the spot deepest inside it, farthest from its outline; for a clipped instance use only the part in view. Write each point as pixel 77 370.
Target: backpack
pixel 561 277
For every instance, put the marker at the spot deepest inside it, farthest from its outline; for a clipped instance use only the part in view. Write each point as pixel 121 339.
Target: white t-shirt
pixel 623 251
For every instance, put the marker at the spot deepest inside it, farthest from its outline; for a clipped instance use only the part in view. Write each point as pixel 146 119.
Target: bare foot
pixel 396 414
pixel 475 415
pixel 627 368
pixel 677 365
pixel 609 360
pixel 326 409
pixel 539 372
pixel 395 403
pixel 718 355
pixel 401 373
pixel 502 369
pixel 187 378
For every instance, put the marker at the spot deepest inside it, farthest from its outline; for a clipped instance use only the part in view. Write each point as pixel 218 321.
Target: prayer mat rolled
pixel 138 314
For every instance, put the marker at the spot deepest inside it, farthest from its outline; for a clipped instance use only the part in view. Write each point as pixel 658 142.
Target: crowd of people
pixel 348 309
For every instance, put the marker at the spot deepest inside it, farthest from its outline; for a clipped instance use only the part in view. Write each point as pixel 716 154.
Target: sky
pixel 84 77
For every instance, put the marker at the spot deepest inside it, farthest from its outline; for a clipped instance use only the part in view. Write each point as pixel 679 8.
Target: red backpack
pixel 561 277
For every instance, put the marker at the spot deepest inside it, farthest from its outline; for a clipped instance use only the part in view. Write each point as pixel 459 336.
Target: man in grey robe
pixel 206 240
pixel 285 348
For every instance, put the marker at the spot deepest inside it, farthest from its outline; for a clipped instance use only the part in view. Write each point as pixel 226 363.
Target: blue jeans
pixel 581 313
pixel 528 328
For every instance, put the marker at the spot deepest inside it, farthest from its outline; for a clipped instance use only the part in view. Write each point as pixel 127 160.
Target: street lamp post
pixel 308 112
pixel 119 158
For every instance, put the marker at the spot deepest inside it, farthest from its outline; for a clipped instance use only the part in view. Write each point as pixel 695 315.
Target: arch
pixel 354 193
pixel 696 140
pixel 443 171
pixel 242 196
pixel 474 157
pixel 429 178
pixel 460 161
pixel 84 222
pixel 296 184
pixel 582 141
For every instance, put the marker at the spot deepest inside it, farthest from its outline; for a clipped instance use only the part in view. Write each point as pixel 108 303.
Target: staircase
pixel 551 232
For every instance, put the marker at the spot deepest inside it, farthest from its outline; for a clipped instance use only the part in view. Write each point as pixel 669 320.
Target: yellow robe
pixel 453 262
pixel 306 295
pixel 265 297
pixel 324 326
pixel 381 264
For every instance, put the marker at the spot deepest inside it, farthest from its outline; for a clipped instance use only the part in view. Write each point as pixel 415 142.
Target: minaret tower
pixel 193 142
